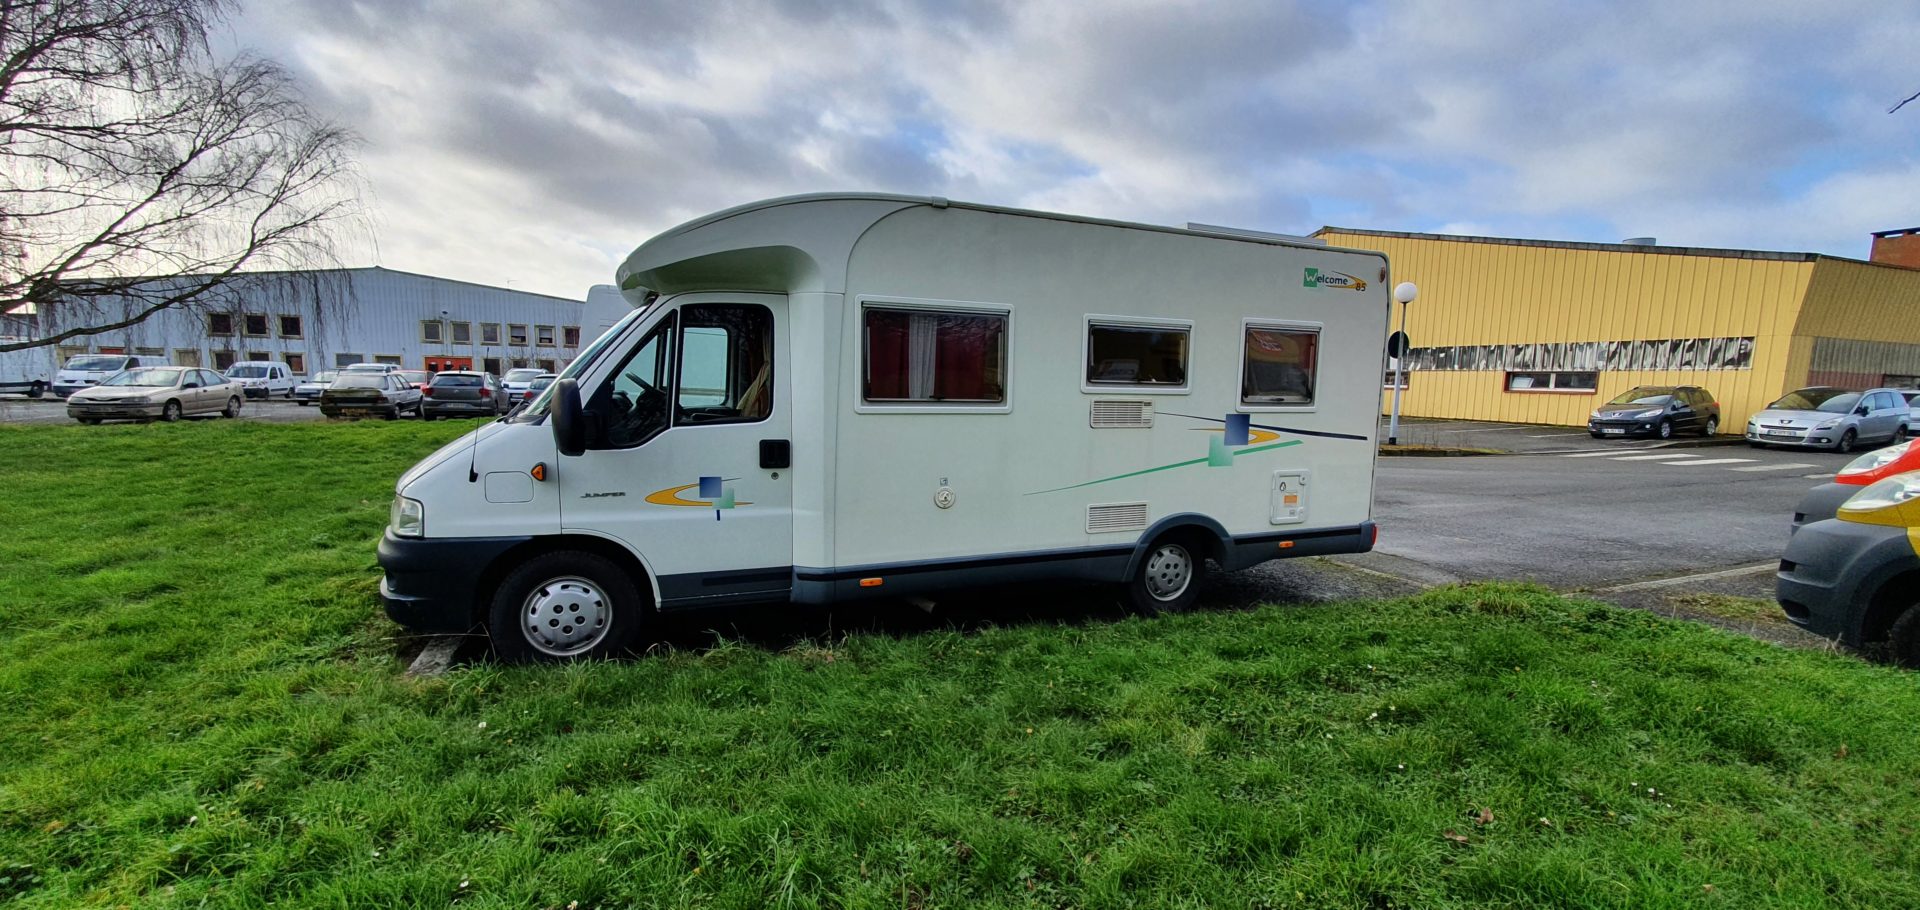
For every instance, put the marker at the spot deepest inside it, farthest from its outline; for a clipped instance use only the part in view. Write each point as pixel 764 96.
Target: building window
pixel 545 364
pixel 431 331
pixel 1279 364
pixel 489 333
pixel 460 332
pixel 935 356
pixel 490 365
pixel 387 358
pixel 543 335
pixel 1386 382
pixel 519 363
pixel 570 336
pixel 220 324
pixel 186 357
pixel 517 335
pixel 260 356
pixel 255 324
pixel 1151 356
pixel 342 361
pixel 1554 381
pixel 297 363
pixel 222 360
pixel 290 327
pixel 151 352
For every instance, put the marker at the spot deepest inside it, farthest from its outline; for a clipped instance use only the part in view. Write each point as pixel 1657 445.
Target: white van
pixel 83 370
pixel 822 398
pixel 263 378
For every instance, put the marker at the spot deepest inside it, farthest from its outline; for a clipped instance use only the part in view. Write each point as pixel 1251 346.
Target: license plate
pixel 354 412
pixel 1610 431
pixel 1780 435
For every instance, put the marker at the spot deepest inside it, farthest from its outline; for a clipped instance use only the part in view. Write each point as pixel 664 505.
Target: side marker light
pixel 539 471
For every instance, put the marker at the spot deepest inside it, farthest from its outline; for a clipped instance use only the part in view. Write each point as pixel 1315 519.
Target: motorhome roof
pixel 802 242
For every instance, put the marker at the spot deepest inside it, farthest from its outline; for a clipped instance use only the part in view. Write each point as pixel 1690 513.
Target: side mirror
pixel 1861 411
pixel 569 423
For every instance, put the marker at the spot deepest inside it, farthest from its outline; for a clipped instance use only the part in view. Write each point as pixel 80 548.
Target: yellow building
pixel 1532 331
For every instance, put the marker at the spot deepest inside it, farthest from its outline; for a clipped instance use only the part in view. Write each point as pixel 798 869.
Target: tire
pixel 426 416
pixel 1899 435
pixel 89 421
pixel 232 409
pixel 1903 639
pixel 1596 435
pixel 559 588
pixel 289 395
pixel 36 390
pixel 420 409
pixel 170 412
pixel 1664 430
pixel 1711 428
pixel 1168 580
pixel 1757 445
pixel 1847 439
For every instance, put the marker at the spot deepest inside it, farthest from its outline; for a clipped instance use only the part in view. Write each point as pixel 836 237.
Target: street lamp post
pixel 1403 292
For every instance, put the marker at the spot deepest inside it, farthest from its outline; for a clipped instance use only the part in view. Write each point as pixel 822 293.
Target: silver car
pixel 166 393
pixel 1828 418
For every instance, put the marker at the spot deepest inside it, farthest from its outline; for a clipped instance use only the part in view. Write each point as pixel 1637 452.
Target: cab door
pixel 688 462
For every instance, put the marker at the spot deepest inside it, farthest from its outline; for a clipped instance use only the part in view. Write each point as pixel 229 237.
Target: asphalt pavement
pixel 52 410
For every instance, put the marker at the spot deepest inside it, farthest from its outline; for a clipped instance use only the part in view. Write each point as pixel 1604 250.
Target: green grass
pixel 200 706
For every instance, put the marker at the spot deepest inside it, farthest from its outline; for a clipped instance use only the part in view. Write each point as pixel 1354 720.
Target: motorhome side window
pixel 632 405
pixel 916 355
pixel 726 364
pixel 1136 355
pixel 1279 365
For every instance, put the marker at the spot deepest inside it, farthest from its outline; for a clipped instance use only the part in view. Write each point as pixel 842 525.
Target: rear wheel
pixel 393 413
pixel 1169 576
pixel 232 409
pixel 1900 435
pixel 565 606
pixel 89 421
pixel 1712 427
pixel 1846 442
pixel 170 411
pixel 36 390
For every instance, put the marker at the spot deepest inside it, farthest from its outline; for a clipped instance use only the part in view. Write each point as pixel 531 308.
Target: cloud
pixel 537 142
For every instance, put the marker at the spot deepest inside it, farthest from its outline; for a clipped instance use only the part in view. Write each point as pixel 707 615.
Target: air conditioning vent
pixel 1116 516
pixel 1113 414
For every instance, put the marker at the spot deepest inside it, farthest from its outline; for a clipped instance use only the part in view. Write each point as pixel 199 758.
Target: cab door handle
pixel 776 454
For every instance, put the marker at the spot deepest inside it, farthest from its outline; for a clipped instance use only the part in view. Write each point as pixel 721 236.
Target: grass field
pixel 200 706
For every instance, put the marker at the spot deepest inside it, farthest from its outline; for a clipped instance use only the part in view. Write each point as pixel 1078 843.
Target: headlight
pixel 1875 460
pixel 408 517
pixel 1827 424
pixel 1651 412
pixel 1893 501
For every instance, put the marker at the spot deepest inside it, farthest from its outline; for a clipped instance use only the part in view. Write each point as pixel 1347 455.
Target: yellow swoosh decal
pixel 671 497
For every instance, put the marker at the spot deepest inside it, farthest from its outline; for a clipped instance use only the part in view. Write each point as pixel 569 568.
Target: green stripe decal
pixel 1167 467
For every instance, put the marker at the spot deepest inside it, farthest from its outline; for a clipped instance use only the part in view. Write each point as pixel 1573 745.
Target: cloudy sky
pixel 534 144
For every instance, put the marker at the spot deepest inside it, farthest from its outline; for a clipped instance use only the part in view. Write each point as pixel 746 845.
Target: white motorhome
pixel 822 398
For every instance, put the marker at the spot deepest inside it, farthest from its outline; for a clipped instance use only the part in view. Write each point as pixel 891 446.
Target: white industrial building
pixel 321 319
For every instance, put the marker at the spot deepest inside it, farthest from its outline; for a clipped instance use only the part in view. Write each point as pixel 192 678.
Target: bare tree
pixel 140 174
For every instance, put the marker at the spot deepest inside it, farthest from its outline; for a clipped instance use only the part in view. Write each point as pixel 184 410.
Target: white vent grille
pixel 1111 413
pixel 1117 516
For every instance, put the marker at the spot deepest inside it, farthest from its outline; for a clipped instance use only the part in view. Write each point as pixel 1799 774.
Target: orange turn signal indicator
pixel 539 471
pixel 872 582
pixel 1286 545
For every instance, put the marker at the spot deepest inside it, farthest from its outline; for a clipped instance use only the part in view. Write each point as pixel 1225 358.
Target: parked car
pixel 1823 501
pixel 365 367
pixel 365 393
pixel 416 378
pixel 1856 576
pixel 538 385
pixel 1657 410
pixel 308 390
pixel 86 370
pixel 164 393
pixel 463 393
pixel 1828 418
pixel 263 378
pixel 1913 408
pixel 516 382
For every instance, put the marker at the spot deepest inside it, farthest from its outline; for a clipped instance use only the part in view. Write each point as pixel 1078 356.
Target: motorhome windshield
pixel 538 407
pixel 97 363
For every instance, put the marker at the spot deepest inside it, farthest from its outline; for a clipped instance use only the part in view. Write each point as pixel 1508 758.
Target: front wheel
pixel 170 412
pixel 232 409
pixel 1712 428
pixel 1168 578
pixel 564 606
pixel 1846 442
pixel 1903 640
pixel 1664 430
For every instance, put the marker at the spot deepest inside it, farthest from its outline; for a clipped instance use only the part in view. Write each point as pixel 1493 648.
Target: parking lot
pixel 51 410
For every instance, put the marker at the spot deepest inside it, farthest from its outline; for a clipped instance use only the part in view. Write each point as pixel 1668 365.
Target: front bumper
pixel 63 389
pixel 1822 502
pixel 1612 427
pixel 1795 436
pixel 431 583
pixel 113 410
pixel 1832 569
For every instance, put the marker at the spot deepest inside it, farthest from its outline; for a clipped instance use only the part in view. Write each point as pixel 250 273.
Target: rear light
pixel 428 391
